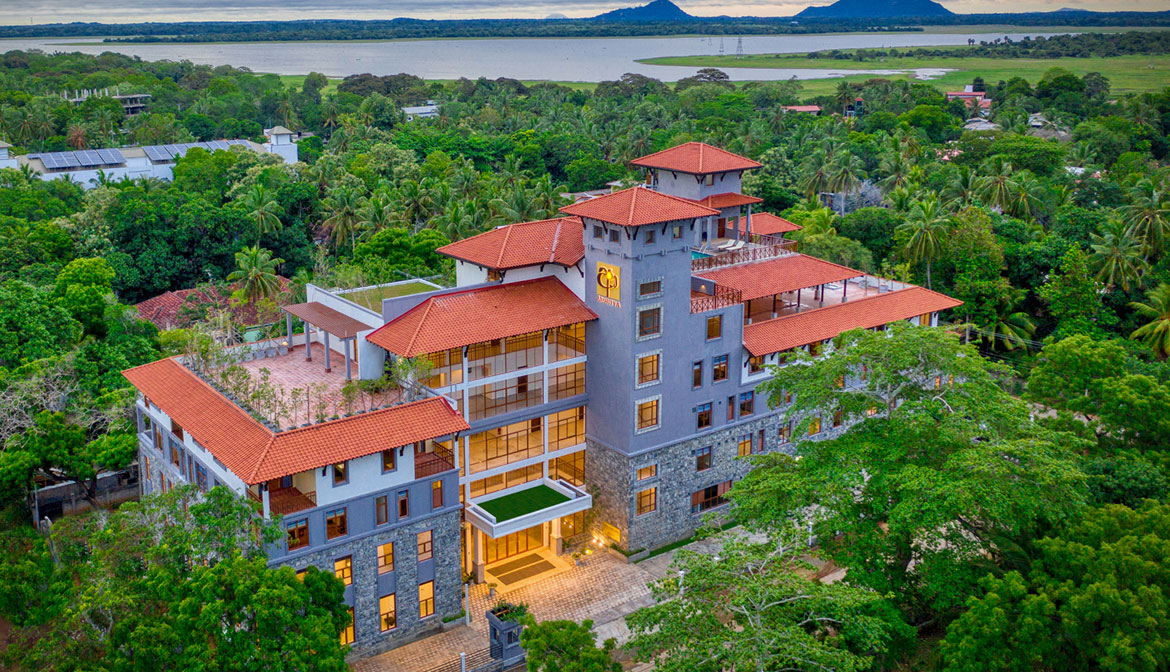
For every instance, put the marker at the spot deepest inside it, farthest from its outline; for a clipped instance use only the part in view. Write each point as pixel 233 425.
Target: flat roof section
pixel 779 276
pixel 325 318
pixel 523 503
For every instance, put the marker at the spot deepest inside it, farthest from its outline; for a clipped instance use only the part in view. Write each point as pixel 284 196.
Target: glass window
pixel 503 445
pixel 755 364
pixel 505 396
pixel 403 504
pixel 426 550
pixel 343 569
pixel 719 368
pixel 647 472
pixel 569 467
pixel 567 381
pixel 648 414
pixel 389 458
pixel 731 408
pixel 446 368
pixel 613 236
pixel 381 510
pixel 347 632
pixel 426 599
pixel 566 428
pixel 386 557
pixel 647 501
pixel 649 288
pixel 814 426
pixel 703 417
pixel 703 459
pixel 436 494
pixel 340 473
pixel 647 369
pixel 838 418
pixel 485 486
pixel 784 434
pixel 710 497
pixel 649 322
pixel 650 236
pixel 335 524
pixel 598 232
pixel 745 445
pixel 298 535
pixel 676 232
pixel 386 608
pixel 747 403
pixel 714 327
pixel 566 342
pixel 696 375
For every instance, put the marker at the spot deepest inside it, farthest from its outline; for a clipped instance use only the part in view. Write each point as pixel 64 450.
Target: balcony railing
pixel 431 463
pixel 723 297
pixel 775 249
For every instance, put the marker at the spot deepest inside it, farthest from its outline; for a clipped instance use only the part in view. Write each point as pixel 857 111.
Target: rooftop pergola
pixel 328 321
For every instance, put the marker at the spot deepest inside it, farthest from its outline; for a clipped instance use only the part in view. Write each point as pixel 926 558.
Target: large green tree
pixel 566 646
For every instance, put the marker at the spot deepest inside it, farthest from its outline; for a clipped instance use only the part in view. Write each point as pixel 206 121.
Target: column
pixel 557 543
pixel 327 367
pixel 264 500
pixel 545 374
pixel 288 328
pixel 308 343
pixel 477 561
pixel 749 222
pixel 345 343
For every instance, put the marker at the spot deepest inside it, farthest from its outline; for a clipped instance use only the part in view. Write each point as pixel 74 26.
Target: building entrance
pixel 513 544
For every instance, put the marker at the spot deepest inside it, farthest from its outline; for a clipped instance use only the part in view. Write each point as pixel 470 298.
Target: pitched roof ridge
pixel 260 459
pixel 552 250
pixel 851 302
pixel 377 411
pixel 504 247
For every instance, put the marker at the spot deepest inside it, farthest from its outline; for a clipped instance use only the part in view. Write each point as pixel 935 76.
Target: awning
pixel 519 508
pixel 327 319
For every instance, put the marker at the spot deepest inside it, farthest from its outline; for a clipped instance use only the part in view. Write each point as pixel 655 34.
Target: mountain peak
pixel 855 9
pixel 657 10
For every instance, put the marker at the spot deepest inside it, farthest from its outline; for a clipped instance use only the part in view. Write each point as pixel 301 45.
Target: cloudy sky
pixel 122 11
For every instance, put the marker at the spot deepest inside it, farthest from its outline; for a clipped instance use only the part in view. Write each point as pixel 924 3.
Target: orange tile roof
pixel 478 315
pixel 768 224
pixel 255 453
pixel 638 206
pixel 811 326
pixel 548 241
pixel 696 158
pixel 728 200
pixel 779 275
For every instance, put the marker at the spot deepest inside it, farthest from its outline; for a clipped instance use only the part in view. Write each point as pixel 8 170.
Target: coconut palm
pixel 1029 197
pixel 77 136
pixel 845 175
pixel 896 169
pixel 376 213
pixel 1009 328
pixel 961 190
pixel 286 107
pixel 1148 212
pixel 901 199
pixel 821 221
pixel 263 208
pixel 814 178
pixel 256 273
pixel 1156 309
pixel 1117 256
pixel 997 187
pixel 926 228
pixel 415 203
pixel 343 204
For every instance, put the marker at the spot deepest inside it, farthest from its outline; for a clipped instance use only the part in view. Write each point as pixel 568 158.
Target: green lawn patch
pixel 521 503
pixel 372 297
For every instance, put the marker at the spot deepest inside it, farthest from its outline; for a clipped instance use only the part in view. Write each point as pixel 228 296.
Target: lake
pixel 560 59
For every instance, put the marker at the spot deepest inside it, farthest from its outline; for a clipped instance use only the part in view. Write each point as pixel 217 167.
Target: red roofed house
pixel 166 311
pixel 616 350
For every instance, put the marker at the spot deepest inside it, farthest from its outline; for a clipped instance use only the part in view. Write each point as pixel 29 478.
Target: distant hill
pixel 658 10
pixel 858 9
pixel 1072 10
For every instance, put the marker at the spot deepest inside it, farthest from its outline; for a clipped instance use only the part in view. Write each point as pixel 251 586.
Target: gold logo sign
pixel 609 284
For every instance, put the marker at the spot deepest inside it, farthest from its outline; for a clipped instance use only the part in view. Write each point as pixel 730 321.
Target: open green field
pixel 1128 74
pixel 521 503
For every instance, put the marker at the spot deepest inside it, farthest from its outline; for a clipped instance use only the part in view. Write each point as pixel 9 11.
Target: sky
pixel 128 11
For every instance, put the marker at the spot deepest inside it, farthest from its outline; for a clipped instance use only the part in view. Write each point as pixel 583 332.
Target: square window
pixel 649 322
pixel 744 447
pixel 648 369
pixel 747 403
pixel 386 557
pixel 335 524
pixel 389 460
pixel 426 599
pixel 343 569
pixel 403 504
pixel 340 473
pixel 650 236
pixel 676 232
pixel 710 497
pixel 755 364
pixel 838 418
pixel 347 632
pixel 388 611
pixel 647 472
pixel 719 368
pixel 426 550
pixel 598 232
pixel 649 288
pixel 381 511
pixel 648 414
pixel 647 501
pixel 714 327
pixel 613 236
pixel 298 535
pixel 709 180
pixel 696 375
pixel 703 417
pixel 703 459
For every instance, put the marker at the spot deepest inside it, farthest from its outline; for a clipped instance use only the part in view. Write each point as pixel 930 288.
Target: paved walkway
pixel 604 589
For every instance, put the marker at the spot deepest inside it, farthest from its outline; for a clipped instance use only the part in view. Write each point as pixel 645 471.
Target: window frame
pixel 648 360
pixel 344 525
pixel 706 408
pixel 344 480
pixel 297 525
pixel 403 500
pixel 393 612
pixel 747 400
pixel 639 326
pixel 719 365
pixel 653 472
pixel 654 292
pixel 425 545
pixel 654 403
pixel 646 501
pixel 381 510
pixel 717 321
pixel 427 602
pixel 343 569
pixel 704 458
pixel 385 567
pixel 393 453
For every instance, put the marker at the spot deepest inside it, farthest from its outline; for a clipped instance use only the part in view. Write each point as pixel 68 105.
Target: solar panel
pixel 218 144
pixel 173 150
pixel 88 158
pixel 157 153
pixel 237 141
pixel 111 156
pixel 59 160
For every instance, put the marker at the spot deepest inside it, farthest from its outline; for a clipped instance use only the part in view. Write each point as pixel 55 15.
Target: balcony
pixel 721 298
pixel 432 458
pixel 502 513
pixel 729 252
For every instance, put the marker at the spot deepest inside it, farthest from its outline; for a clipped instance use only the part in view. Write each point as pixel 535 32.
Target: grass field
pixel 1128 74
pixel 524 502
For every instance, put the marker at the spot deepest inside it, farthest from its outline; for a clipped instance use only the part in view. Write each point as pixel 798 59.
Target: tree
pixel 256 274
pixel 926 230
pixel 749 608
pixel 1156 308
pixel 1072 294
pixel 845 175
pixel 998 187
pixel 32 325
pixel 343 204
pixel 1069 373
pixel 1118 256
pixel 1093 599
pixel 1148 212
pixel 1135 413
pixel 84 288
pixel 873 228
pixel 263 208
pixel 565 646
pixel 937 478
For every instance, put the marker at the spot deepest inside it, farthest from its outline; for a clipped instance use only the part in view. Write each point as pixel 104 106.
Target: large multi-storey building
pixel 604 361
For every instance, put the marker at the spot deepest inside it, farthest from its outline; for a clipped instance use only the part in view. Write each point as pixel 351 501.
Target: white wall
pixel 371 358
pixel 365 476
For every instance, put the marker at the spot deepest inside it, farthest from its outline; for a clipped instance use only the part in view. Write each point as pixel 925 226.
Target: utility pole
pixel 739 49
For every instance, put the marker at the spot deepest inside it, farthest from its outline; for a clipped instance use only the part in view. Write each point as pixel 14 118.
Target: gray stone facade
pixel 369 586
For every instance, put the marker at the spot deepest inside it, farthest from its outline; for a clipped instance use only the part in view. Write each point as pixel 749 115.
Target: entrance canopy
pixel 513 509
pixel 329 321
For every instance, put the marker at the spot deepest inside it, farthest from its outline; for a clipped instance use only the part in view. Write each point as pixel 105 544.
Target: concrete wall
pixel 695 186
pixel 371 358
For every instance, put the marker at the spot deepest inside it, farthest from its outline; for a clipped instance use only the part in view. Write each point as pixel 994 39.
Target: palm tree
pixel 329 114
pixel 896 169
pixel 997 187
pixel 547 196
pixel 256 273
pixel 263 208
pixel 286 108
pixel 343 204
pixel 962 188
pixel 814 177
pixel 376 213
pixel 821 221
pixel 1148 213
pixel 76 136
pixel 1029 197
pixel 415 202
pixel 1009 328
pixel 927 227
pixel 1117 256
pixel 1156 332
pixel 845 176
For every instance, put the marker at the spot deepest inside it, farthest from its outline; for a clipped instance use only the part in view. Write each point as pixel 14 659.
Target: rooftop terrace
pixel 371 297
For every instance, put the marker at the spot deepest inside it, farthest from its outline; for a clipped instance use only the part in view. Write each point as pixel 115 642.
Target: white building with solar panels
pixel 85 166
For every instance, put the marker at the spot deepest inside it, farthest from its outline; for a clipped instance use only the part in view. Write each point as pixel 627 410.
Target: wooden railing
pixel 723 297
pixel 748 254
